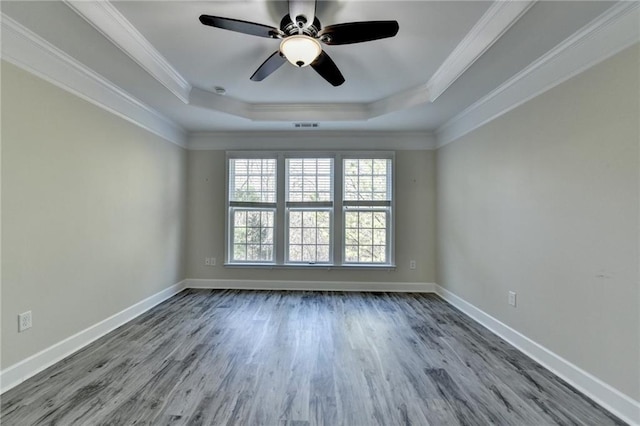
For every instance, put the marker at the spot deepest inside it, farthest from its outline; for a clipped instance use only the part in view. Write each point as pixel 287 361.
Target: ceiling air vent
pixel 305 125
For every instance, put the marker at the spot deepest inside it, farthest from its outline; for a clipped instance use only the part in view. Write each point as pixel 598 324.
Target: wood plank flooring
pixel 299 359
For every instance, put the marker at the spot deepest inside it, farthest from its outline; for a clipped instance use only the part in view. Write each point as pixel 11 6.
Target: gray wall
pixel 544 201
pixel 93 213
pixel 415 224
pixel 98 214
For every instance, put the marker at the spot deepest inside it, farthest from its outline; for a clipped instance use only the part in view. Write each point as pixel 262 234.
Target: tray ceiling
pixel 446 56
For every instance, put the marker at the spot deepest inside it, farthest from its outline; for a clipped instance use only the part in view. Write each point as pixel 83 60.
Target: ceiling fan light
pixel 300 50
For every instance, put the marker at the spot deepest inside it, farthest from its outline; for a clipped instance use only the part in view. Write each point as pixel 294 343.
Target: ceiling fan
pixel 300 38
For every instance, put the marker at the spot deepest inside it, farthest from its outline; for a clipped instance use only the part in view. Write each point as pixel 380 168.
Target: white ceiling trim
pixel 104 17
pixel 610 33
pixel 203 99
pixel 491 26
pixel 312 140
pixel 402 100
pixel 308 112
pixel 279 112
pixel 30 52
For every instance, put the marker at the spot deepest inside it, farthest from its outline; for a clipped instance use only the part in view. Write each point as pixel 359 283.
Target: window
pixel 309 209
pixel 325 209
pixel 252 209
pixel 367 208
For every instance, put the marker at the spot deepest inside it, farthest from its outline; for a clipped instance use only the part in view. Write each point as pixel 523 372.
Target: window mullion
pixel 281 182
pixel 359 203
pixel 252 205
pixel 391 236
pixel 309 204
pixel 337 248
pixel 228 221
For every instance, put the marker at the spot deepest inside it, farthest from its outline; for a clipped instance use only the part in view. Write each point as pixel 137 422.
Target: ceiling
pixel 415 81
pixel 209 57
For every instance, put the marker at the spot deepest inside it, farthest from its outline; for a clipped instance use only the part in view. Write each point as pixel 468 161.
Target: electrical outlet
pixel 512 298
pixel 24 321
pixel 412 264
pixel 207 261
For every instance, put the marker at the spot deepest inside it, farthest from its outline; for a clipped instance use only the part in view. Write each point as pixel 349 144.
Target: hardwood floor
pixel 297 359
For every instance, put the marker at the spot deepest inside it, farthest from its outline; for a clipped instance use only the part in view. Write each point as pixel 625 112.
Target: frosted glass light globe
pixel 300 50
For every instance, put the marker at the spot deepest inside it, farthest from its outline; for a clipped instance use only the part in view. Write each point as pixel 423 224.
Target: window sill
pixel 388 268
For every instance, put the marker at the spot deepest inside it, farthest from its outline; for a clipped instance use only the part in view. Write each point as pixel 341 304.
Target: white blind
pixel 367 179
pixel 252 180
pixel 310 179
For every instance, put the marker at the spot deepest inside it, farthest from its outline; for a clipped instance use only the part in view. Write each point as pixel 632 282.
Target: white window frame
pixel 328 206
pixel 232 206
pixel 373 206
pixel 331 243
pixel 247 207
pixel 337 213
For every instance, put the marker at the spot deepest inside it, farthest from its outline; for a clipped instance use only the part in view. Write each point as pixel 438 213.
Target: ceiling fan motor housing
pixel 289 27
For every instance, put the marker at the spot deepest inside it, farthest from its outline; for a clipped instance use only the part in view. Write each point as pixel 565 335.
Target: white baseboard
pixel 610 398
pixel 310 285
pixel 21 371
pixel 621 405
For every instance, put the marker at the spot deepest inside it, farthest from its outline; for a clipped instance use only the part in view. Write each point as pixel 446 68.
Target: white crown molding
pixel 279 112
pixel 30 52
pixel 409 98
pixel 397 287
pixel 604 394
pixel 29 367
pixel 493 24
pixel 227 104
pixel 611 32
pixel 500 16
pixel 312 140
pixel 309 112
pixel 104 17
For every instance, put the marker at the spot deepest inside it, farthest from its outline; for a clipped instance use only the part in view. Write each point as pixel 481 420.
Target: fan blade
pixel 238 26
pixel 325 66
pixel 358 32
pixel 272 63
pixel 304 8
